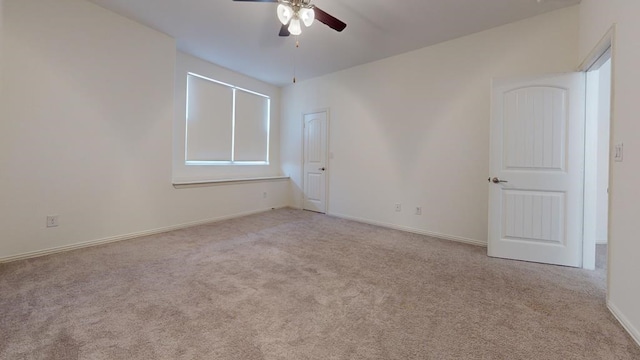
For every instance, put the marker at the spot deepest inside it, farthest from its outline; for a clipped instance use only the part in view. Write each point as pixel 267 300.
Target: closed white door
pixel 537 169
pixel 315 162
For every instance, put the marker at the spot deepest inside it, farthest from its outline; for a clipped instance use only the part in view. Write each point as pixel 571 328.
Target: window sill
pixel 190 184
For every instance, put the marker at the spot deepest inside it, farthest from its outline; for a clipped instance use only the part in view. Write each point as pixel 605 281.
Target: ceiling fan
pixel 293 13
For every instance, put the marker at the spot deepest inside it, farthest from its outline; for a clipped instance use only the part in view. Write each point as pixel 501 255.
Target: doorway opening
pixel 597 158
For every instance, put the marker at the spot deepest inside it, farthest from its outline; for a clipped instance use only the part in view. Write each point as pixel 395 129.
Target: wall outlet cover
pixel 52 221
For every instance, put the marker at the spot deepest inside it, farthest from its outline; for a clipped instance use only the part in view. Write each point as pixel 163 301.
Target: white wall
pixel 604 117
pixel 86 132
pixel 1 31
pixel 1 7
pixel 414 129
pixel 596 17
pixel 596 198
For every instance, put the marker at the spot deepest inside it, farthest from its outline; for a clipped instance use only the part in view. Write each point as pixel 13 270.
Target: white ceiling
pixel 243 36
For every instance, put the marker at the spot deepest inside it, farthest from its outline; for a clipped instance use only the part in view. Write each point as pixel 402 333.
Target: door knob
pixel 321 169
pixel 495 180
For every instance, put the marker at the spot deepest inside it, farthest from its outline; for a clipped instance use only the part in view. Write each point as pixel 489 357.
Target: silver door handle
pixel 322 169
pixel 495 180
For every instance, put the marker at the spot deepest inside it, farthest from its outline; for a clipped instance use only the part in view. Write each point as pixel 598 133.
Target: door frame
pixel 606 44
pixel 327 157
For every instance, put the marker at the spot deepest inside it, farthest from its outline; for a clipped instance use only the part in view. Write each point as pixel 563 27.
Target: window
pixel 226 125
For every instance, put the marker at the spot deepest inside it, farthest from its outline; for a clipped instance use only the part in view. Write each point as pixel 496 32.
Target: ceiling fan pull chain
pixel 295 59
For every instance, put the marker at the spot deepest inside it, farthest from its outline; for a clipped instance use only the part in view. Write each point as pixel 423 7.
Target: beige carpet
pixel 289 284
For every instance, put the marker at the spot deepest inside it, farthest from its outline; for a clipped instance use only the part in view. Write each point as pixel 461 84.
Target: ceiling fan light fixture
pixel 307 15
pixel 285 13
pixel 294 26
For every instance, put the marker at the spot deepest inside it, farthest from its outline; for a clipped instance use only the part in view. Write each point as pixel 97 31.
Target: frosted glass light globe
pixel 294 27
pixel 285 13
pixel 307 16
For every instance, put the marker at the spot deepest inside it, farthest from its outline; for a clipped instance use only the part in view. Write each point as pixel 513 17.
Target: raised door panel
pixel 535 133
pixel 533 216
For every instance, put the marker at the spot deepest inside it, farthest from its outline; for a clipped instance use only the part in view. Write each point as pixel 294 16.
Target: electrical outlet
pixel 418 210
pixel 52 221
pixel 264 195
pixel 398 207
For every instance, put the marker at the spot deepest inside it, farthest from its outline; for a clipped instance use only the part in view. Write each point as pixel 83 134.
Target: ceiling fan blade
pixel 329 20
pixel 284 31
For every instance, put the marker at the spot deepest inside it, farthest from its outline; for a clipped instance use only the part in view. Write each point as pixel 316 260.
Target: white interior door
pixel 537 169
pixel 315 162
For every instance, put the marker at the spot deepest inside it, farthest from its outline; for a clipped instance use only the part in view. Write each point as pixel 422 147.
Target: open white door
pixel 315 162
pixel 537 169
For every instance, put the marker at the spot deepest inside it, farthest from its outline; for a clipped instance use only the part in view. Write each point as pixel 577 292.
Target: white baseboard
pixel 413 230
pixel 601 242
pixel 111 239
pixel 626 324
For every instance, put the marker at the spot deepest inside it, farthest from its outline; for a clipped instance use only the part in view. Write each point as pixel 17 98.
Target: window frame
pixel 232 161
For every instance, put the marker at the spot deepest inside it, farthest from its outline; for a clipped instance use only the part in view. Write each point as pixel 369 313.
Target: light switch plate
pixel 618 152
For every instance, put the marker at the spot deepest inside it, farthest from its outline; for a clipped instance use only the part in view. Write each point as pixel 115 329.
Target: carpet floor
pixel 289 284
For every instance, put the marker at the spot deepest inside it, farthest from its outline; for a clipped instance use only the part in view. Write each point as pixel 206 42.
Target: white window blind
pixel 225 124
pixel 251 127
pixel 209 126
